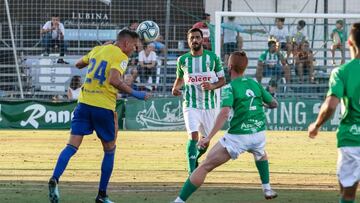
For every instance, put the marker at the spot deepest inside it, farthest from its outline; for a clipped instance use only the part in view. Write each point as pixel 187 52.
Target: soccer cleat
pixel 54 195
pixel 105 199
pixel 270 194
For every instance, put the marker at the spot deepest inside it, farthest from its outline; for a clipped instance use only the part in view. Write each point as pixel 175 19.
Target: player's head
pixel 127 41
pixel 195 39
pixel 339 24
pixel 272 46
pixel 55 18
pixel 301 24
pixel 354 40
pixel 279 22
pixel 237 63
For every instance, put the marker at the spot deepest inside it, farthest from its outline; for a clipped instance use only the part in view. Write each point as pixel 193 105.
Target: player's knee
pixel 110 149
pixel 207 166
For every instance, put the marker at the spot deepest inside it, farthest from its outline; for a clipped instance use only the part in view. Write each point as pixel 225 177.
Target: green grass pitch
pixel 151 167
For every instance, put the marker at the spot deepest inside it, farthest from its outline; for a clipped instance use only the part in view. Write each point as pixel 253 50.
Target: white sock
pixel 179 200
pixel 266 186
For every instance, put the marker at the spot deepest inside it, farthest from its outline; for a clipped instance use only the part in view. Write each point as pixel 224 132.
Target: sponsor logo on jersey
pixel 355 129
pixel 198 79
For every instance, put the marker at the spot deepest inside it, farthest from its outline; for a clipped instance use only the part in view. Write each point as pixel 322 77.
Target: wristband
pixel 138 94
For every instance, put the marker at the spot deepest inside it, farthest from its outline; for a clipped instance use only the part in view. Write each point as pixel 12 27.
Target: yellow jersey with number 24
pixel 97 90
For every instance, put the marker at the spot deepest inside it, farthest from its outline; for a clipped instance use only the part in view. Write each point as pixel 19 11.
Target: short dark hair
pixel 205 15
pixel 355 33
pixel 302 23
pixel 127 33
pixel 195 30
pixel 341 22
pixel 271 42
pixel 55 15
pixel 133 21
pixel 280 19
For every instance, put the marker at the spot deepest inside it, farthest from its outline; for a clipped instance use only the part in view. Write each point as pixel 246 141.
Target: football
pixel 148 31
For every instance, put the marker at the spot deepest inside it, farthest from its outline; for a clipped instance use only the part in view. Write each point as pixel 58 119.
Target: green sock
pixel 346 201
pixel 263 169
pixel 187 190
pixel 191 151
pixel 200 153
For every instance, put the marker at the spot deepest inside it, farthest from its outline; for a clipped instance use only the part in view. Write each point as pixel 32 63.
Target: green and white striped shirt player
pixel 196 70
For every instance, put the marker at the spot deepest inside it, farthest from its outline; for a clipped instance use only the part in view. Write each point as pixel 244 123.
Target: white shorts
pixel 199 120
pixel 238 144
pixel 348 165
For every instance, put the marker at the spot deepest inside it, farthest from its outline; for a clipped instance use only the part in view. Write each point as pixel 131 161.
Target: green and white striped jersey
pixel 195 70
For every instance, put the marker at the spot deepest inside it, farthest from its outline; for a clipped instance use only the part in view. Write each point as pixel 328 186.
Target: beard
pixel 196 47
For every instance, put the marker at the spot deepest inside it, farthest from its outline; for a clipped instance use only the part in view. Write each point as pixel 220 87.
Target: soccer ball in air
pixel 148 31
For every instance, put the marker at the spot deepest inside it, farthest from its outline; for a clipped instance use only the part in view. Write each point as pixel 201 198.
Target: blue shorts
pixel 89 118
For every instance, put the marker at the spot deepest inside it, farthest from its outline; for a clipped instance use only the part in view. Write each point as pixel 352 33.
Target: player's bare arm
pixel 272 105
pixel 215 85
pixel 115 80
pixel 326 111
pixel 179 82
pixel 219 123
pixel 81 64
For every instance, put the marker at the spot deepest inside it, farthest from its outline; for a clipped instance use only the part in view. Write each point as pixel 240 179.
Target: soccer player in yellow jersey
pixel 96 107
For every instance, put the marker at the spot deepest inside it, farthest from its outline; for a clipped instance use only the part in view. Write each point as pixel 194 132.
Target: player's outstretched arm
pixel 81 64
pixel 326 111
pixel 114 80
pixel 219 123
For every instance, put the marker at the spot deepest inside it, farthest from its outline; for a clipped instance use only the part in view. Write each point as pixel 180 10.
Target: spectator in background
pixel 129 80
pixel 53 36
pixel 204 26
pixel 134 73
pixel 147 64
pixel 133 25
pixel 74 89
pixel 272 64
pixel 159 45
pixel 298 35
pixel 338 36
pixel 304 62
pixel 272 88
pixel 231 38
pixel 281 34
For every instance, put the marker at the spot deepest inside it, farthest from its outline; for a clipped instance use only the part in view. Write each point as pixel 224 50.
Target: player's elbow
pixel 224 113
pixel 273 104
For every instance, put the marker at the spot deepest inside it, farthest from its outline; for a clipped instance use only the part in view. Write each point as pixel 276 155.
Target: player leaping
pixel 201 72
pixel 96 107
pixel 246 98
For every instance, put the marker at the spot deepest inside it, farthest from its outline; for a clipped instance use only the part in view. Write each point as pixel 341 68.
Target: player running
pixel 246 98
pixel 201 72
pixel 344 85
pixel 96 107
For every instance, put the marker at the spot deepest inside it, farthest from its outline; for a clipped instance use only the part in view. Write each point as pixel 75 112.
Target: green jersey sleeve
pixel 227 97
pixel 262 57
pixel 179 70
pixel 336 85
